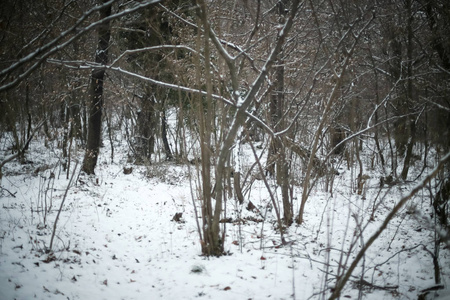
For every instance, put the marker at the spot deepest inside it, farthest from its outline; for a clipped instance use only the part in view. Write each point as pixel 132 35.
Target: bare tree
pixel 96 94
pixel 339 69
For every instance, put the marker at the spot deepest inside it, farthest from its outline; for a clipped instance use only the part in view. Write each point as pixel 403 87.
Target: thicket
pixel 310 85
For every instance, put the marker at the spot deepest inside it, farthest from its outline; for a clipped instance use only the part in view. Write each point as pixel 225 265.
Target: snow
pixel 116 239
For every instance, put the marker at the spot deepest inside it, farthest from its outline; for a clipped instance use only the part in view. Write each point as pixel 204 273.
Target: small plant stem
pixel 61 206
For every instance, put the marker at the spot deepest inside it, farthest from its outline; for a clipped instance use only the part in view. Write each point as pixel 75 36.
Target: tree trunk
pixel 277 151
pixel 146 127
pixel 212 245
pixel 165 141
pixel 409 95
pixel 96 95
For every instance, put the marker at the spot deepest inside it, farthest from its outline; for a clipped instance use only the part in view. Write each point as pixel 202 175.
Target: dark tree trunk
pixel 96 95
pixel 146 125
pixel 167 150
pixel 27 108
pixel 409 95
pixel 278 151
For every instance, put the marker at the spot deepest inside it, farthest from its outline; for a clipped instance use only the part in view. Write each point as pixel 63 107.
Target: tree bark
pixel 409 94
pixel 96 94
pixel 167 150
pixel 277 149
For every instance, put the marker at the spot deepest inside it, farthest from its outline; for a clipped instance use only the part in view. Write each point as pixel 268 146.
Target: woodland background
pixel 306 87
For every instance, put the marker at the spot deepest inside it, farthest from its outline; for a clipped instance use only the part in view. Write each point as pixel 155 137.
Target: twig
pixel 12 195
pixel 343 280
pixel 61 206
pixel 272 197
pixel 22 150
pixel 360 283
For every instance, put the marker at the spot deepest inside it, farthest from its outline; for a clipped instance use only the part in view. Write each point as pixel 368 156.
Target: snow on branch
pixel 272 57
pixel 440 106
pixel 218 42
pixel 159 47
pixel 383 102
pixel 188 90
pixel 360 132
pixel 55 46
pixel 46 31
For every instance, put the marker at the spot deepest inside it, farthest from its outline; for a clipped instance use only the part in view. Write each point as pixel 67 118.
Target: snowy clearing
pixel 116 239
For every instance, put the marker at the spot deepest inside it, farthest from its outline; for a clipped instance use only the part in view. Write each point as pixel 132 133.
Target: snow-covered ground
pixel 116 239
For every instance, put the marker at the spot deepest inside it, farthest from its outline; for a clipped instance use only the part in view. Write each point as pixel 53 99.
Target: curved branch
pixel 55 46
pixel 343 280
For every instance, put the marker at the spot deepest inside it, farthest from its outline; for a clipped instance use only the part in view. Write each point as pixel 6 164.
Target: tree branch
pixel 343 280
pixel 55 46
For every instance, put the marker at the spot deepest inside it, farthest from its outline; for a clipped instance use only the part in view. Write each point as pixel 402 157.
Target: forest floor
pixel 116 238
